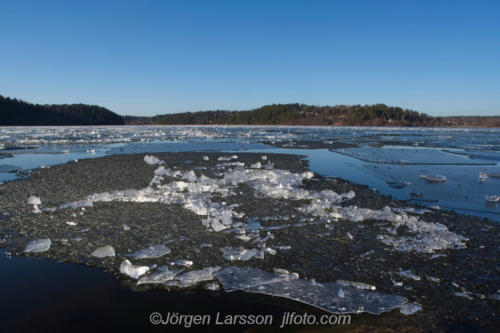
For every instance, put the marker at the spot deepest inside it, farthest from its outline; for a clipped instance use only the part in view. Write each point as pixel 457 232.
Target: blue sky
pixel 157 57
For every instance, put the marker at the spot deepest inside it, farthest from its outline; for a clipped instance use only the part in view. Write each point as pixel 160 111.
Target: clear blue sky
pixel 156 57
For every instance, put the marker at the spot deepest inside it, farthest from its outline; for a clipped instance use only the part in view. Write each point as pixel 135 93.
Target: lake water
pixel 50 295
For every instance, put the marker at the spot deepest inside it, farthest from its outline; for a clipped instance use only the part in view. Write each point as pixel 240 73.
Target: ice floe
pixel 104 251
pixel 40 245
pixel 135 272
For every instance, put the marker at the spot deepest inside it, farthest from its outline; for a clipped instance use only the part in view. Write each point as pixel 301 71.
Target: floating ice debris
pixel 463 295
pixel 434 256
pixel 155 251
pixel 84 230
pixel 324 296
pixel 433 178
pixel 287 247
pixel 238 253
pixel 359 285
pixel 341 293
pixel 269 250
pixel 492 198
pixel 253 225
pixel 71 223
pixel 350 236
pixel 133 271
pixel 264 157
pixel 409 274
pixel 243 238
pixel 410 308
pixel 126 227
pixel 256 165
pixel 104 251
pixel 212 286
pixel 38 245
pixel 205 158
pixel 412 210
pixel 152 160
pixel 34 200
pixel 161 276
pixel 182 262
pixel 349 195
pixel 193 277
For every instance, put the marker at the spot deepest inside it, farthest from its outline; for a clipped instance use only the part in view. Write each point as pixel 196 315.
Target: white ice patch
pixel 193 277
pixel 34 200
pixel 38 245
pixel 152 160
pixel 161 276
pixel 133 271
pixel 104 251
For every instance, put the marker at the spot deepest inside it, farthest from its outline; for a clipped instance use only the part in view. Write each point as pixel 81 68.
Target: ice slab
pixel 331 297
pixel 155 251
pixel 193 277
pixel 104 251
pixel 133 271
pixel 161 276
pixel 38 245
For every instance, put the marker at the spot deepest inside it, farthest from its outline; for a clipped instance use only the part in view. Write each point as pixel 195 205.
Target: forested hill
pixel 301 114
pixel 14 112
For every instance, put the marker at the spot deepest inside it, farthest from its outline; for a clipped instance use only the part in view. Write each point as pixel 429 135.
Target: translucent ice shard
pixel 104 251
pixel 331 297
pixel 238 253
pixel 38 245
pixel 161 276
pixel 133 271
pixel 182 262
pixel 193 277
pixel 155 251
pixel 410 308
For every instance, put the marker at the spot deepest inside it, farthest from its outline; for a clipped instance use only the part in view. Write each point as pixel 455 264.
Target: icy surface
pixel 193 277
pixel 38 245
pixel 152 160
pixel 331 297
pixel 104 251
pixel 155 251
pixel 133 271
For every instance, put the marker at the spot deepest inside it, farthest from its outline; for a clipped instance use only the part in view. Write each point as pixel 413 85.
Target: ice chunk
pixel 410 274
pixel 33 200
pixel 359 285
pixel 212 286
pixel 162 275
pixel 410 308
pixel 71 223
pixel 126 227
pixel 152 160
pixel 193 277
pixel 182 262
pixel 38 245
pixel 104 251
pixel 326 296
pixel 155 251
pixel 205 158
pixel 256 165
pixel 133 271
pixel 238 253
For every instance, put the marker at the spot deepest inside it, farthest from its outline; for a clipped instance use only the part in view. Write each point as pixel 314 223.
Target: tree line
pixel 15 112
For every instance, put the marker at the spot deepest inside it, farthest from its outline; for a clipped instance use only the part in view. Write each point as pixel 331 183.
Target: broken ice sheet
pixel 326 296
pixel 238 253
pixel 162 275
pixel 155 251
pixel 104 251
pixel 38 245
